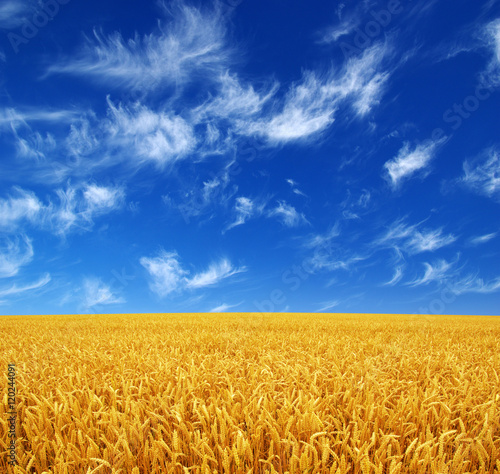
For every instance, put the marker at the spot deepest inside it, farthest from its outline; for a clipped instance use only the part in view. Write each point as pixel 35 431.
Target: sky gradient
pixel 249 156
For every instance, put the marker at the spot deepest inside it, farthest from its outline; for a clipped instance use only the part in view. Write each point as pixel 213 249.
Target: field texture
pixel 250 393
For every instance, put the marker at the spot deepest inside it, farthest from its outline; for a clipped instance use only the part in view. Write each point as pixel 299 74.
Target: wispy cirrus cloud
pixel 353 206
pixel 15 117
pixel 167 275
pixel 18 207
pixel 309 106
pixel 95 293
pixel 215 273
pixel 15 290
pixel 329 253
pixel 222 308
pixel 294 185
pixel 190 45
pixel 76 207
pixel 491 36
pixel 482 175
pixel 324 240
pixel 474 284
pixel 398 275
pixel 233 100
pixel 14 254
pixel 288 215
pixel 244 208
pixel 412 240
pixel 13 13
pixel 438 272
pixel 334 33
pixel 482 239
pixel 328 305
pixel 410 161
pixel 158 137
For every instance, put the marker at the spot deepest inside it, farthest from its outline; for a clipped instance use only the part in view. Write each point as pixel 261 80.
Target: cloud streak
pixel 189 46
pixel 167 275
pixel 14 254
pixel 433 273
pixel 214 274
pixel 96 293
pixel 410 161
pixel 13 13
pixel 310 105
pixel 288 215
pixel 15 290
pixel 412 240
pixel 482 176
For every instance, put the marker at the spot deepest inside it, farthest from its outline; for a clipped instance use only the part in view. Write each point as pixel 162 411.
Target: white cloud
pixel 433 273
pixel 245 208
pixel 294 186
pixel 190 47
pixel 233 100
pixel 482 176
pixel 333 260
pixel 328 305
pixel 16 290
pixel 13 13
pixel 21 206
pixel 215 273
pixel 354 206
pixel 101 198
pixel 482 239
pixel 412 240
pixel 196 199
pixel 166 273
pixel 79 205
pixel 398 274
pixel 332 34
pixel 98 293
pixel 329 255
pixel 223 308
pixel 288 215
pixel 323 240
pixel 81 140
pixel 310 105
pixel 156 137
pixel 13 118
pixel 14 253
pixel 408 161
pixel 168 276
pixel 473 284
pixel 491 35
pixel 428 241
pixel 35 146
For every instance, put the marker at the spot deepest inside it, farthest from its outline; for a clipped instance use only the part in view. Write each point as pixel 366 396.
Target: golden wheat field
pixel 253 393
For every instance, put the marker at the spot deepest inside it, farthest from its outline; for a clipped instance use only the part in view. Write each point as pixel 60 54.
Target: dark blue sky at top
pixel 249 156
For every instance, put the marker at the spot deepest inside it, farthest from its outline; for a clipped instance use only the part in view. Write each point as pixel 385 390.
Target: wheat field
pixel 253 393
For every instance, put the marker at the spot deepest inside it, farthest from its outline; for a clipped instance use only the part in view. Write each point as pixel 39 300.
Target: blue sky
pixel 245 155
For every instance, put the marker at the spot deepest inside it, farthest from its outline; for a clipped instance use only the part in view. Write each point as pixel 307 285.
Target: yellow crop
pixel 253 393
